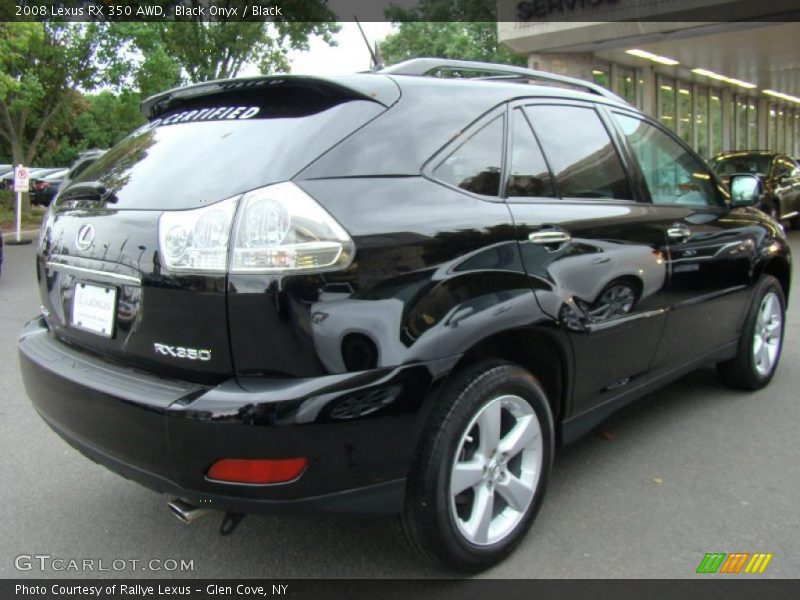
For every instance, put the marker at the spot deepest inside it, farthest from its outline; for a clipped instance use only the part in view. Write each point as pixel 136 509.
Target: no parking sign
pixel 21 181
pixel 21 184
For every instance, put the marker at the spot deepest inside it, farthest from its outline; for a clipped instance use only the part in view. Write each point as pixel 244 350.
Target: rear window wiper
pixel 88 191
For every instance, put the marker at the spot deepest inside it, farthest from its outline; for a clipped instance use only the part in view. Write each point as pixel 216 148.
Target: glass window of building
pixel 752 123
pixel 740 119
pixel 772 128
pixel 602 75
pixel 685 129
pixel 666 102
pixel 625 85
pixel 790 132
pixel 701 122
pixel 715 118
pixel 796 151
pixel 780 135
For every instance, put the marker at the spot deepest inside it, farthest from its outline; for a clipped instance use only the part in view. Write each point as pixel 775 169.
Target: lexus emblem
pixel 85 238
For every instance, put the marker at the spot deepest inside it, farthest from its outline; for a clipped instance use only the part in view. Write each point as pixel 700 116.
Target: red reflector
pixel 279 470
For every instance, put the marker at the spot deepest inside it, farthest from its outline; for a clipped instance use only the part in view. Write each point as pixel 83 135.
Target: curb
pixel 25 234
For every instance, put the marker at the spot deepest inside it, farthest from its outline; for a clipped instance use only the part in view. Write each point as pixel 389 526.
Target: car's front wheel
pixel 761 340
pixel 481 471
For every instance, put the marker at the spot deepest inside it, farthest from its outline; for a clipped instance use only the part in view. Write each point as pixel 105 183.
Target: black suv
pixel 780 180
pixel 389 293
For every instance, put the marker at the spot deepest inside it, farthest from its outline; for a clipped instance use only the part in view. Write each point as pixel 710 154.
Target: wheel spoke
pixel 764 358
pixel 489 424
pixel 523 433
pixel 758 344
pixel 515 492
pixel 773 327
pixel 482 514
pixel 466 475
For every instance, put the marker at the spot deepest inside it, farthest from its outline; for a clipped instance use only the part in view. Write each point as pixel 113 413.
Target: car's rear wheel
pixel 481 471
pixel 761 341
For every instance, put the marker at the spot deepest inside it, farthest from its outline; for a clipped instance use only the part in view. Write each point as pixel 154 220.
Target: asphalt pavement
pixel 693 468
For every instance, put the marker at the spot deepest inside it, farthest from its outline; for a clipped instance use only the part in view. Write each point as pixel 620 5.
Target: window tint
pixel 672 174
pixel 476 165
pixel 529 175
pixel 580 152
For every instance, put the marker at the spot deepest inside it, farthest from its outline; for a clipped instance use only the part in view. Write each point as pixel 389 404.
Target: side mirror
pixel 745 189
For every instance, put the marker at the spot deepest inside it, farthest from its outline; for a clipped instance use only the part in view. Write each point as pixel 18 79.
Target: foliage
pixel 458 29
pixel 94 121
pixel 41 66
pixel 192 50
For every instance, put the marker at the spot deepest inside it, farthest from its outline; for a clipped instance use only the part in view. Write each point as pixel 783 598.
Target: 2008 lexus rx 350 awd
pixel 389 293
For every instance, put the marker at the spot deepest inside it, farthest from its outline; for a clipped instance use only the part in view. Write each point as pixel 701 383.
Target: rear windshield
pixel 748 163
pixel 213 148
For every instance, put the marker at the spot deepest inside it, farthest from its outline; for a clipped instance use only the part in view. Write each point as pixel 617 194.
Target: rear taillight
pixel 257 471
pixel 276 229
pixel 40 185
pixel 280 228
pixel 197 240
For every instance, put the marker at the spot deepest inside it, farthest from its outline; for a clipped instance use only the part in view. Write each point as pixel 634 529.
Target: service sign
pixel 21 182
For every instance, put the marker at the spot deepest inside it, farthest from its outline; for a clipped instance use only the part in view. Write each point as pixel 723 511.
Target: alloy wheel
pixel 496 470
pixel 767 334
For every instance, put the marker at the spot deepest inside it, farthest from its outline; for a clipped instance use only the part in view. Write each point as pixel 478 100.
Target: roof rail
pixel 425 66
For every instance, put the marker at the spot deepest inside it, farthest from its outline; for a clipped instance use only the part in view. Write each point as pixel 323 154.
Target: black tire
pixel 741 371
pixel 427 524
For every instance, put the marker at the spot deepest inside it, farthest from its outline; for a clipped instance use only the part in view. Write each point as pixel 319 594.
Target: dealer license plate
pixel 93 308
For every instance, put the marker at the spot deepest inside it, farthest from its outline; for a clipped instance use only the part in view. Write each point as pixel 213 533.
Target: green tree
pixel 92 121
pixel 458 29
pixel 193 50
pixel 42 66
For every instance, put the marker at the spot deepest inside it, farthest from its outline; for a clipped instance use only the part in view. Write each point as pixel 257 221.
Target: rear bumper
pixel 359 431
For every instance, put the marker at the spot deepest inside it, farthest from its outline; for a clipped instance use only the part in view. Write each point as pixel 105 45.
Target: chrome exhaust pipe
pixel 187 513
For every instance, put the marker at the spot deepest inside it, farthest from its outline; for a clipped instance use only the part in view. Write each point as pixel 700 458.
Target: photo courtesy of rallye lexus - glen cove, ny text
pixel 389 294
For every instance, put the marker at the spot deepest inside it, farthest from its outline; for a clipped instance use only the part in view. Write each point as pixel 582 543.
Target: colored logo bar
pixel 734 563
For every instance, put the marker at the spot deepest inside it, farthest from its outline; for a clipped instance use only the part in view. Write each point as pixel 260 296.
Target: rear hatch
pixel 104 282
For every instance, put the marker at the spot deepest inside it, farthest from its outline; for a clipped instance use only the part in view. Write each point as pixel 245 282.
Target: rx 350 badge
pixel 182 353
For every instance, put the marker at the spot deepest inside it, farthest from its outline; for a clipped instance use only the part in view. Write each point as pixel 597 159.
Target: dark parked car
pixel 780 177
pixel 389 293
pixel 7 179
pixel 84 161
pixel 44 188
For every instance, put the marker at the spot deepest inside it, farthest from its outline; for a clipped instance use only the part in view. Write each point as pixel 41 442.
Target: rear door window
pixel 528 175
pixel 476 165
pixel 580 152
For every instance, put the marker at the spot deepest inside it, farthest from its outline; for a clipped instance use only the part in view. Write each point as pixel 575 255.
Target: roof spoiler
pixel 425 67
pixel 377 89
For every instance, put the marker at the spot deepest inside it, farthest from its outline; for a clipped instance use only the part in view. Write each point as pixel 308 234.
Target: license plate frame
pixel 91 309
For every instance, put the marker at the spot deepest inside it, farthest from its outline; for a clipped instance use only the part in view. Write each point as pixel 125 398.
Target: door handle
pixel 547 237
pixel 679 232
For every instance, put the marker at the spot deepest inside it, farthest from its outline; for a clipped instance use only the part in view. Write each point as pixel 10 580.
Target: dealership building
pixel 720 85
